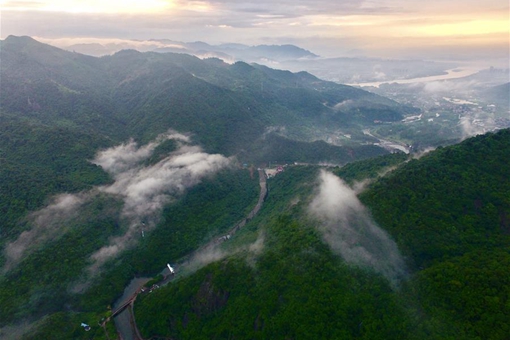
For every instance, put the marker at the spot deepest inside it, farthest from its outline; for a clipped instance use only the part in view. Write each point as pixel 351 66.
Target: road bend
pixel 123 314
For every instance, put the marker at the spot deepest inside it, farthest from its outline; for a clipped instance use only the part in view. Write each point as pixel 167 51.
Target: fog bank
pixel 348 229
pixel 143 190
pixel 146 189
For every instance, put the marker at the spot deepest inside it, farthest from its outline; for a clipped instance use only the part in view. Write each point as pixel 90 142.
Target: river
pixel 458 72
pixel 123 321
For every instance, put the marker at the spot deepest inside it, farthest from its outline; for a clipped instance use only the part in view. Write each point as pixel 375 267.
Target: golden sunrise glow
pixel 393 25
pixel 398 23
pixel 196 6
pixel 474 27
pixel 349 20
pixel 90 6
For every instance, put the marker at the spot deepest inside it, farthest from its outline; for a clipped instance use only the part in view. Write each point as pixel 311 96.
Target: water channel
pixel 458 72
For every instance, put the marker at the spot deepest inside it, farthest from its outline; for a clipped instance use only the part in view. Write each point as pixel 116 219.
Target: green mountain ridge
pixel 152 92
pixel 58 109
pixel 100 102
pixel 448 212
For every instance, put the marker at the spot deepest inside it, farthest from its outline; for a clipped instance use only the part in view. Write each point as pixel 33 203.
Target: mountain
pixel 113 166
pixel 345 70
pixel 146 93
pixel 234 52
pixel 448 213
pixel 363 70
pixel 269 52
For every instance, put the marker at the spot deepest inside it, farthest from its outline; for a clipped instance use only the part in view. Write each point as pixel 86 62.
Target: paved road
pixel 125 320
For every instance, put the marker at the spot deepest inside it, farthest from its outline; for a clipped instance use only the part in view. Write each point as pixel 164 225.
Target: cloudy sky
pixel 327 27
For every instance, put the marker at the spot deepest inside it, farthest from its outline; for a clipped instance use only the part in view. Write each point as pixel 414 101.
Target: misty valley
pixel 196 191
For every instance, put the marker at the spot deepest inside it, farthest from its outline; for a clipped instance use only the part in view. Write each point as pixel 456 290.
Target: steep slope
pixel 60 213
pixel 448 212
pixel 50 96
pixel 449 201
pixel 287 285
pixel 44 85
pixel 42 283
pixel 40 161
pixel 142 94
pixel 50 92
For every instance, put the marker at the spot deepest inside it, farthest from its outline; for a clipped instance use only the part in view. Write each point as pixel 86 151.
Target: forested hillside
pixel 140 95
pixel 62 209
pixel 448 212
pixel 113 167
pixel 290 286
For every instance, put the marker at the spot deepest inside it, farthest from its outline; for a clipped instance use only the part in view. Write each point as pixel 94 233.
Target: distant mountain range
pixel 349 70
pixel 226 107
pixel 227 52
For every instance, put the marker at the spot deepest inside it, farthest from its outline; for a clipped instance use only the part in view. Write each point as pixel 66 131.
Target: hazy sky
pixel 372 27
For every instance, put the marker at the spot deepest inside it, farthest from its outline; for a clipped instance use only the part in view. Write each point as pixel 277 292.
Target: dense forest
pixel 448 212
pixel 59 109
pixel 292 288
pixel 60 205
pixel 140 95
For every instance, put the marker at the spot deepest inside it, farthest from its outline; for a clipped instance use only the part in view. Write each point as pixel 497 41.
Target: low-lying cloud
pixel 477 124
pixel 125 156
pixel 143 189
pixel 47 223
pixel 348 229
pixel 445 86
pixel 146 189
pixel 344 104
pixel 214 252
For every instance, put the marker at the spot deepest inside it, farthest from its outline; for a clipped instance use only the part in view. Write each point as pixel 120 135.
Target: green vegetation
pixel 132 94
pixel 42 282
pixel 208 210
pixel 296 288
pixel 281 150
pixel 38 162
pixel 59 108
pixel 424 134
pixel 449 202
pixel 370 168
pixel 68 326
pixel 449 213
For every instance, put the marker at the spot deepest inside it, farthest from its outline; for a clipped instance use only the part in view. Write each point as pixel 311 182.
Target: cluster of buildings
pixel 271 172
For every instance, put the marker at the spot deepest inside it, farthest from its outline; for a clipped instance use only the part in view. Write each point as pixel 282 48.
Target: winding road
pixel 123 314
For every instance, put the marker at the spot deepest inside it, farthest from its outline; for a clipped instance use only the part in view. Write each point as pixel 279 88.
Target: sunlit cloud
pixel 360 25
pixel 195 6
pixel 89 6
pixel 350 20
pixel 473 27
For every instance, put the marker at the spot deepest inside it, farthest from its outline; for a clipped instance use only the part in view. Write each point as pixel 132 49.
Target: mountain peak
pixel 20 40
